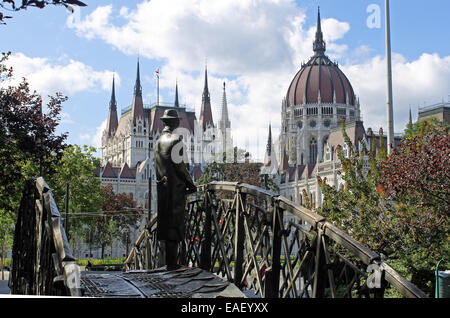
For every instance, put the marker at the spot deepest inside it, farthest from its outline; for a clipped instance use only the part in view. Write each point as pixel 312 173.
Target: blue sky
pixel 255 46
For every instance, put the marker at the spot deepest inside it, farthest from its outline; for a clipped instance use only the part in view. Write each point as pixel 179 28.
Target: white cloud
pixel 414 82
pixel 256 47
pixel 66 118
pixel 47 77
pixel 93 139
pixel 97 139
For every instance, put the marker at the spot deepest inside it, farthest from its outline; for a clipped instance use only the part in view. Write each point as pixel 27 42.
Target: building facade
pixel 440 111
pixel 128 143
pixel 319 98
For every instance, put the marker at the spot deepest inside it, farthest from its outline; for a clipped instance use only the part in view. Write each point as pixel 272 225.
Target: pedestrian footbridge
pixel 240 240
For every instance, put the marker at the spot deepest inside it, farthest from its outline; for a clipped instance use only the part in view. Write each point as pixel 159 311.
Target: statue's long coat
pixel 173 180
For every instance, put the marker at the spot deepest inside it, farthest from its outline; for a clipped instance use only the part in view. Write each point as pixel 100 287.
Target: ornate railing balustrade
pixel 42 261
pixel 265 243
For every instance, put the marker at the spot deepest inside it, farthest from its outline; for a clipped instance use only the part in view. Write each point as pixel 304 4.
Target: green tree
pixel 417 178
pixel 29 145
pixel 106 232
pixel 418 128
pixel 13 6
pixel 77 169
pixel 123 211
pixel 399 205
pixel 6 238
pixel 358 208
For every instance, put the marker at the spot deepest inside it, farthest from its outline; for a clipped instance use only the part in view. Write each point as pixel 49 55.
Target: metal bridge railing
pixel 42 261
pixel 265 243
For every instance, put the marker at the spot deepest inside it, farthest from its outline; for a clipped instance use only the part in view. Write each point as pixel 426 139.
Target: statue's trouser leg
pixel 171 254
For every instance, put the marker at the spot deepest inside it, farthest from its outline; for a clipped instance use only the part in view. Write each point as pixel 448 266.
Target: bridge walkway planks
pixel 185 282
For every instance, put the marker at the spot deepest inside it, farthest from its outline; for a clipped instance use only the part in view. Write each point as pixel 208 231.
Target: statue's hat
pixel 170 114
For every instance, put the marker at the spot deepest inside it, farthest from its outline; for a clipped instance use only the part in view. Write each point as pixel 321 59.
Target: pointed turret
pixel 112 122
pixel 410 123
pixel 224 113
pixel 206 118
pixel 319 46
pixel 137 107
pixel 268 157
pixel 176 104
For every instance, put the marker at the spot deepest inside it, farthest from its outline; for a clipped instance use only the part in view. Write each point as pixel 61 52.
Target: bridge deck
pixel 185 282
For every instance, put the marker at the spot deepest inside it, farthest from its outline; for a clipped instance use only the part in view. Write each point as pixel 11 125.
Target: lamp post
pixel 66 220
pixel 149 196
pixel 390 135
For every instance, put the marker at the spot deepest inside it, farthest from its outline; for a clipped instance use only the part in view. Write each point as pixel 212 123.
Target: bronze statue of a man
pixel 173 183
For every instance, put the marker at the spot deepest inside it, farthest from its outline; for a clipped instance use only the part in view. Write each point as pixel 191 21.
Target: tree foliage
pixel 397 205
pixel 76 169
pixel 419 128
pixel 417 178
pixel 29 145
pixel 358 208
pixel 119 215
pixel 6 237
pixel 14 5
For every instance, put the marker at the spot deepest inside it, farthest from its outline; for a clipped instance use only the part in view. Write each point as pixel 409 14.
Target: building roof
pixel 108 171
pixel 355 131
pixel 291 172
pixel 320 80
pixel 300 170
pixel 127 172
pixel 197 172
pixel 187 118
pixel 284 162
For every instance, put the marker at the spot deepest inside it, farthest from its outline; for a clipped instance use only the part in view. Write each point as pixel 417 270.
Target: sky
pixel 255 46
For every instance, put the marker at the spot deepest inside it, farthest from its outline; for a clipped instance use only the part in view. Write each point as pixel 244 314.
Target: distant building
pixel 440 111
pixel 318 99
pixel 128 143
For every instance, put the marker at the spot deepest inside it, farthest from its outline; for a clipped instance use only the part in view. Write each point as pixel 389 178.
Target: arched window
pixel 313 150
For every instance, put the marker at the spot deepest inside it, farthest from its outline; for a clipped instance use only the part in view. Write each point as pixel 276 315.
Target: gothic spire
pixel 268 158
pixel 205 87
pixel 137 85
pixel 319 46
pixel 206 118
pixel 112 122
pixel 176 104
pixel 224 114
pixel 112 102
pixel 410 123
pixel 137 107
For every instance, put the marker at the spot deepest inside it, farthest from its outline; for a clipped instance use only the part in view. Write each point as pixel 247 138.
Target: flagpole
pixel 157 89
pixel 390 136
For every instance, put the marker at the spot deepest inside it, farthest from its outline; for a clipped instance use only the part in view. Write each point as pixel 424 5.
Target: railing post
pixel 272 281
pixel 320 266
pixel 239 238
pixel 205 256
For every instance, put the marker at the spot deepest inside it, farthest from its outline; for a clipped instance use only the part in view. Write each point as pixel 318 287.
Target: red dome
pixel 320 75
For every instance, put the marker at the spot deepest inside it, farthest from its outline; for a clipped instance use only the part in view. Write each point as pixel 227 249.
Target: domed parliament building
pixel 318 99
